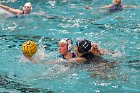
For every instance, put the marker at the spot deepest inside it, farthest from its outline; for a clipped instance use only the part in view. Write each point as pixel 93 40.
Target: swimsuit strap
pixel 62 56
pixel 23 12
pixel 73 55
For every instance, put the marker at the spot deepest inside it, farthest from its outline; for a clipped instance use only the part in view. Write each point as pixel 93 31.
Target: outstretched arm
pixel 95 50
pixel 100 51
pixel 107 6
pixel 130 6
pixel 16 11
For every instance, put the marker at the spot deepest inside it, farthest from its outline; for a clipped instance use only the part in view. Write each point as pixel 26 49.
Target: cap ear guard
pixel 69 47
pixel 69 42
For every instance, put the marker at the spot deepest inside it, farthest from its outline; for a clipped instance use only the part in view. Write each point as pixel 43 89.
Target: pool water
pixel 118 31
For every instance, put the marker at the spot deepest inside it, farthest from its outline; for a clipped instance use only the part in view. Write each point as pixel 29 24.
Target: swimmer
pixel 26 9
pixel 64 48
pixel 117 6
pixel 83 52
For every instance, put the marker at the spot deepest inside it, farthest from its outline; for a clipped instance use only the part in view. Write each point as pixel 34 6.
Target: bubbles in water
pixel 55 71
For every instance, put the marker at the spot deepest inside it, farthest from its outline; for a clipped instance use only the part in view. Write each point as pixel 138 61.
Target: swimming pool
pixel 118 31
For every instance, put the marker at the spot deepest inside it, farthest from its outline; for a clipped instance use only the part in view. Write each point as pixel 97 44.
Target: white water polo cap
pixel 28 4
pixel 68 42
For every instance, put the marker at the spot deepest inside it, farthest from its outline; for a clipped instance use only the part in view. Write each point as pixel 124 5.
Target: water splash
pixel 4 13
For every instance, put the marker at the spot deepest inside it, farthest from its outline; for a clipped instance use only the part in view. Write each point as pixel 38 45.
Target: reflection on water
pixel 7 85
pixel 17 40
pixel 134 64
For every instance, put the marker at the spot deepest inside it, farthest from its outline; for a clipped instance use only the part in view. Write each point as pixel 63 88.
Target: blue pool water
pixel 118 31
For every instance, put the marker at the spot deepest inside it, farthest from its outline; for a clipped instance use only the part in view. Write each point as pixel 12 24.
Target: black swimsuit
pixel 23 12
pixel 73 56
